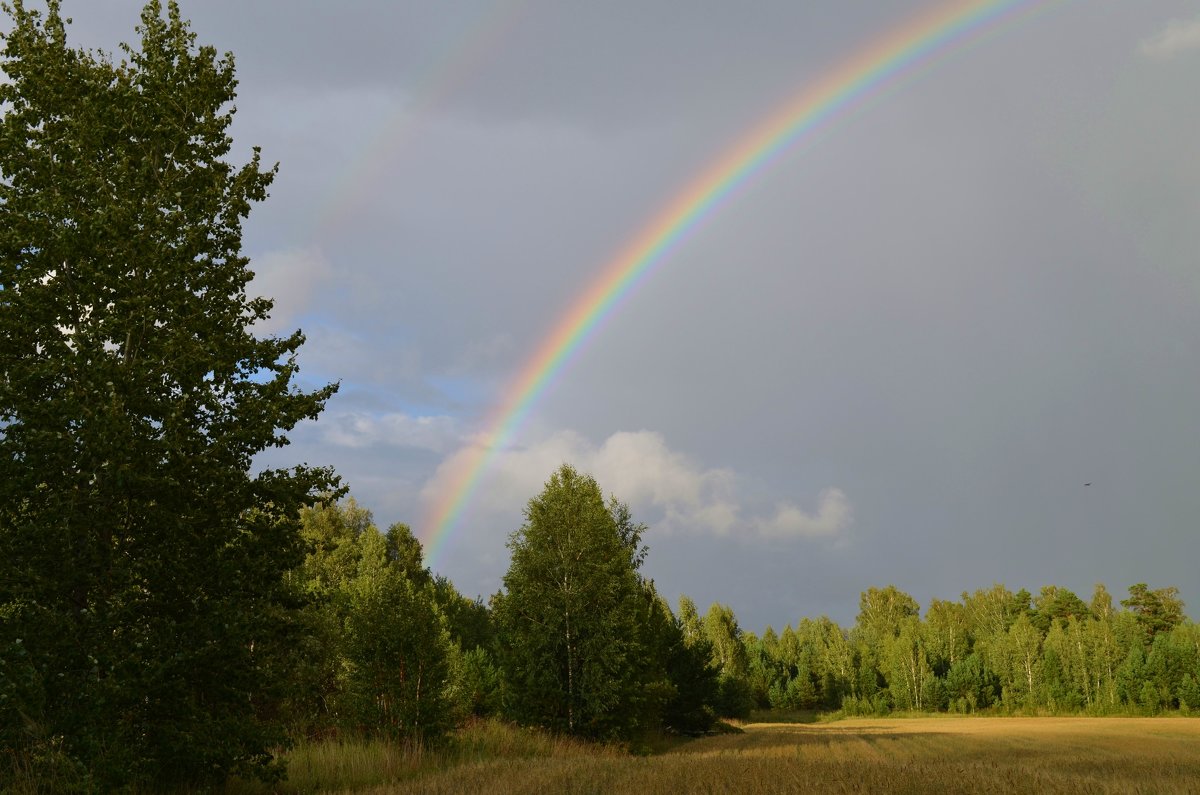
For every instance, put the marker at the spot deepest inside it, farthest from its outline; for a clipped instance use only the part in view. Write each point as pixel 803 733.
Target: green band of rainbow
pixel 845 86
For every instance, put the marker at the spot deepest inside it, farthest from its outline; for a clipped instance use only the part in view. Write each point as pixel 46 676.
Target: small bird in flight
pixel 1087 484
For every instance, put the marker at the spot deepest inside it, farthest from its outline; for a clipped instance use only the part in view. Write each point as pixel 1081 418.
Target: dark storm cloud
pixel 956 306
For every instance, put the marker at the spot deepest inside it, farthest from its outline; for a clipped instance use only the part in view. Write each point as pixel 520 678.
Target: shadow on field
pixel 879 742
pixel 784 716
pixel 783 737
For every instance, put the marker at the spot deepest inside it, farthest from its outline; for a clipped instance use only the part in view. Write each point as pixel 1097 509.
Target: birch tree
pixel 570 643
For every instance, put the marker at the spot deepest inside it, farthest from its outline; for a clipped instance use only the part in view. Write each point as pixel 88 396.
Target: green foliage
pixel 474 683
pixel 809 667
pixel 765 668
pixel 1057 604
pixel 689 620
pixel 1130 676
pixel 1065 682
pixel 467 620
pixel 1189 691
pixel 1019 655
pixel 1157 611
pixel 734 697
pixel 693 680
pixel 141 563
pixel 22 696
pixel 965 686
pixel 380 660
pixel 395 649
pixel 994 651
pixel 730 657
pixel 721 629
pixel 881 611
pixel 688 655
pixel 863 706
pixel 990 613
pixel 795 693
pixel 948 633
pixel 331 533
pixel 570 632
pixel 906 666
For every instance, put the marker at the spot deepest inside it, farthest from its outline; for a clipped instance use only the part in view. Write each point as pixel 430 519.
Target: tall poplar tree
pixel 141 560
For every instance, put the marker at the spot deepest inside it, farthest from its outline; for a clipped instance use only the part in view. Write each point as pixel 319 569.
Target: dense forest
pixel 579 642
pixel 648 666
pixel 171 615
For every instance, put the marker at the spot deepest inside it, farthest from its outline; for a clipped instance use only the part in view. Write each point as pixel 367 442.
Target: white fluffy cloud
pixel 1178 36
pixel 665 488
pixel 833 515
pixel 291 278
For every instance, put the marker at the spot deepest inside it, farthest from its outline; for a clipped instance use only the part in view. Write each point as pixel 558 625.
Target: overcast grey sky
pixel 896 357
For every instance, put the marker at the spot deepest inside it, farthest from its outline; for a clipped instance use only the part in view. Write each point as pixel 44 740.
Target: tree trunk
pixel 570 677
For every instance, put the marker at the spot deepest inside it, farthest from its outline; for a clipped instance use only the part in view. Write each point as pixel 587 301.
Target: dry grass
pixel 357 766
pixel 929 754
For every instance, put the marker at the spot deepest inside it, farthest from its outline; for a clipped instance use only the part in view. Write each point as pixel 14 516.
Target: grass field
pixel 908 755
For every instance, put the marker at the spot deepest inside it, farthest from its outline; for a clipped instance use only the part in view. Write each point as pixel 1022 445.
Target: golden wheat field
pixel 909 755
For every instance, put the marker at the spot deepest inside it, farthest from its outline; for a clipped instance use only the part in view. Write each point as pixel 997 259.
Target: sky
pixel 896 355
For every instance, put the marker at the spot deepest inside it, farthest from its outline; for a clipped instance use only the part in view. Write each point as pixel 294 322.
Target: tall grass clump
pixel 347 763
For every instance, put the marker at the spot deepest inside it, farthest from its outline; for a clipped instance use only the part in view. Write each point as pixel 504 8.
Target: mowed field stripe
pixel 905 755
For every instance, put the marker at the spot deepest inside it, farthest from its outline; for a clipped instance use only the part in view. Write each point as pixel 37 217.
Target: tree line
pixel 993 650
pixel 172 615
pixel 580 642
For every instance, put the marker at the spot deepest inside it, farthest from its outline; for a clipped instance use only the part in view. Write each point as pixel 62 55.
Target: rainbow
pixel 842 88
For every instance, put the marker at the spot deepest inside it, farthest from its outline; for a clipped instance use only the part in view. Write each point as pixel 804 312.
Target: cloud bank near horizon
pixel 670 491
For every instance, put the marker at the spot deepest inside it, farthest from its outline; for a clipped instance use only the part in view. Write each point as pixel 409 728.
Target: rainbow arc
pixel 883 62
